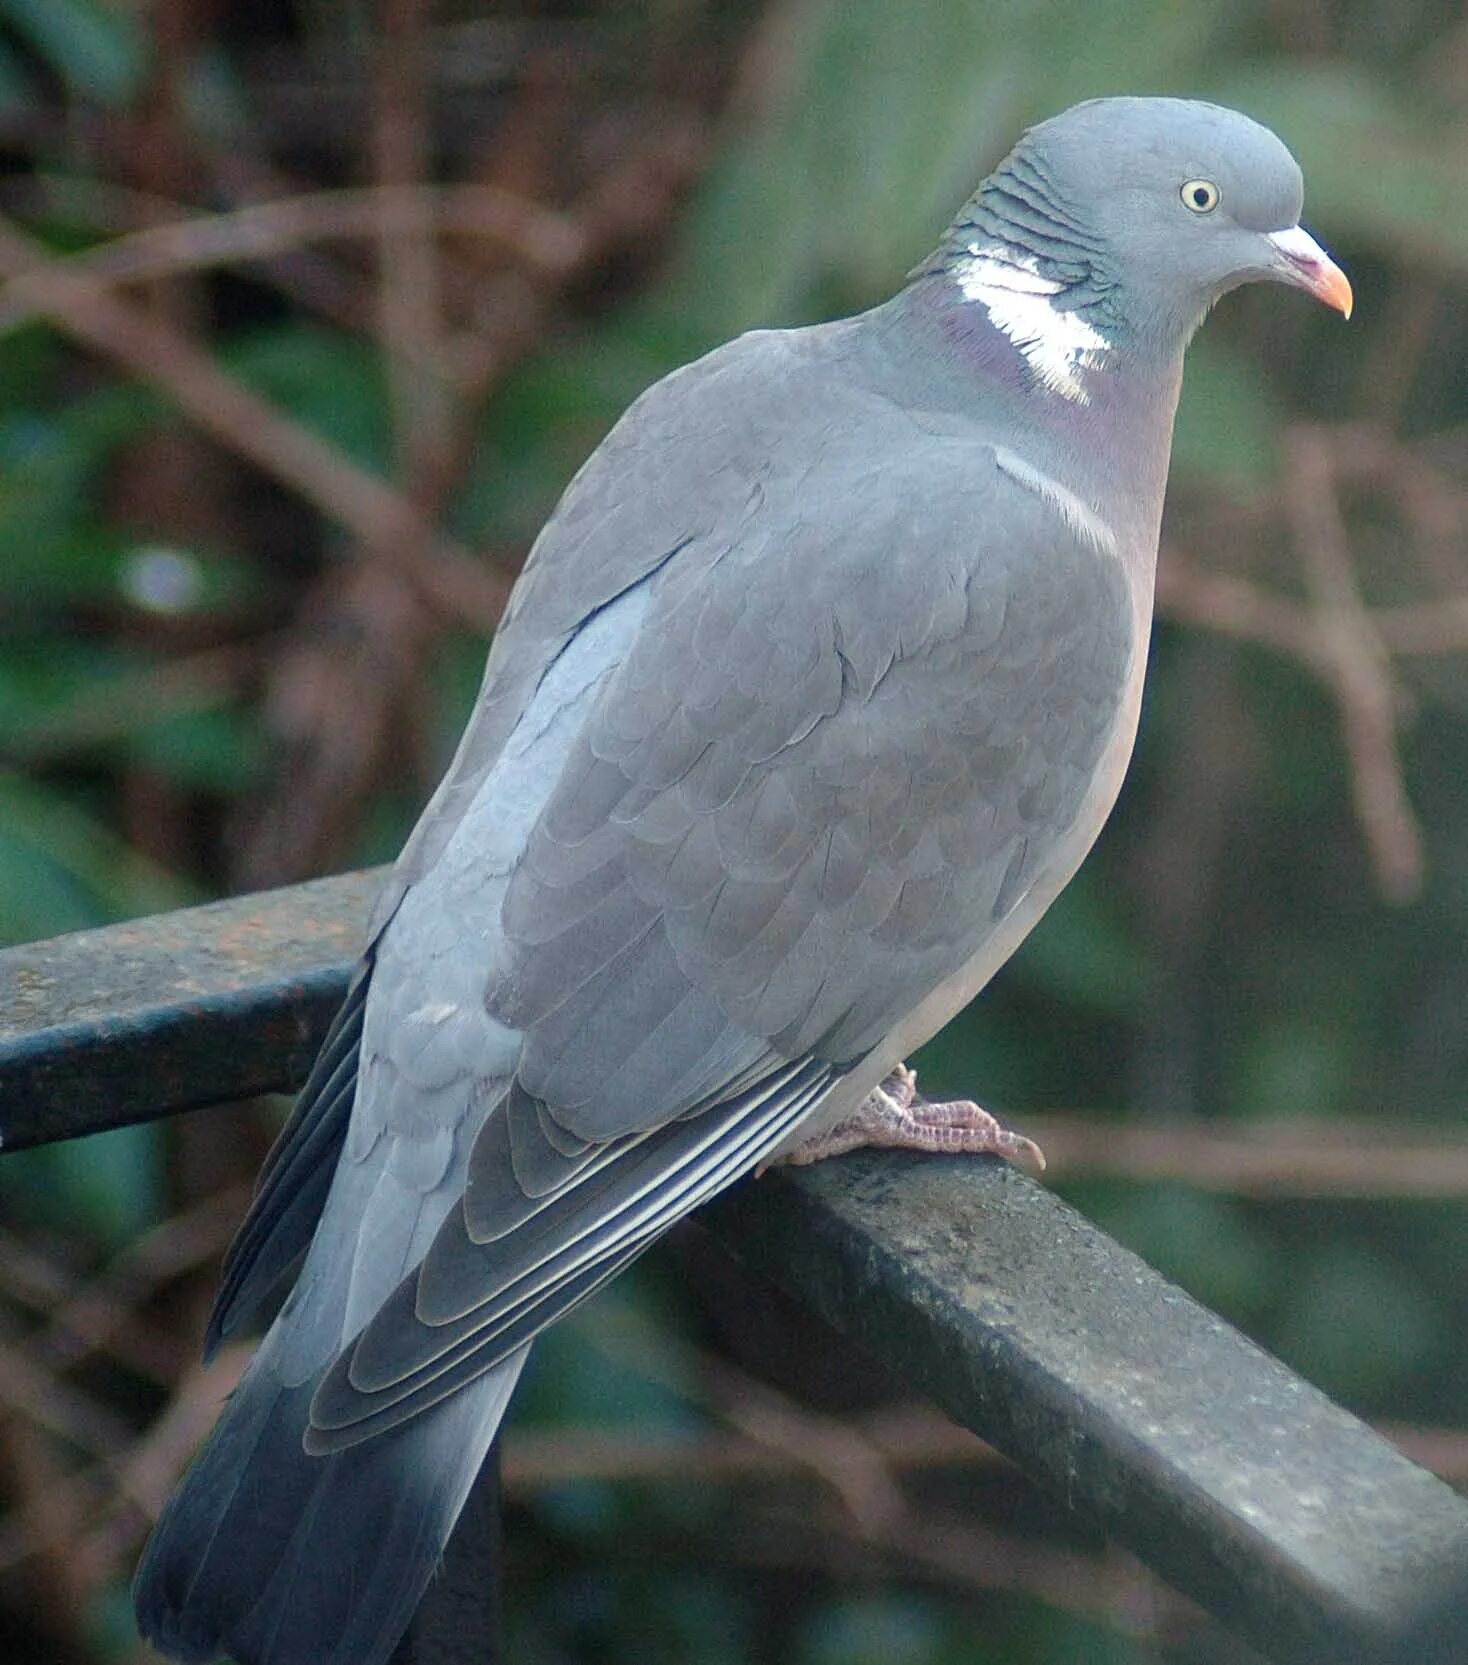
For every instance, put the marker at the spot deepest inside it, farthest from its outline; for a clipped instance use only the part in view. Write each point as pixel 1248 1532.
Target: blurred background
pixel 308 310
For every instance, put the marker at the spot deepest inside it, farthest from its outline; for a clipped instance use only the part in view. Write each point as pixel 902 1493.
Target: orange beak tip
pixel 1300 260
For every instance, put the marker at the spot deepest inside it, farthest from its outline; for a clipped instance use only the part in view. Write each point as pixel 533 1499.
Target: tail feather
pixel 274 1557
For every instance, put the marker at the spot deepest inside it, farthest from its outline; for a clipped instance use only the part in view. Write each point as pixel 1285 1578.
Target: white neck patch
pixel 1055 343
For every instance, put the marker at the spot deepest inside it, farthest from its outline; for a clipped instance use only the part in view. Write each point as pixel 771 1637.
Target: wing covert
pixel 830 765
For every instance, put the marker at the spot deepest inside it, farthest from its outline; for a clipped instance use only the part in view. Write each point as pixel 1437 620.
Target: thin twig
pixel 409 290
pixel 830 1447
pixel 97 1310
pixel 32 1390
pixel 906 1437
pixel 116 708
pixel 909 1437
pixel 965 1554
pixel 152 1466
pixel 546 241
pixel 1360 667
pixel 1234 606
pixel 1308 1158
pixel 137 1481
pixel 362 502
pixel 1425 627
pixel 827 1446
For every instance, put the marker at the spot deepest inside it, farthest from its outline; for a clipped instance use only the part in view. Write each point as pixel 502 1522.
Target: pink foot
pixel 897 1117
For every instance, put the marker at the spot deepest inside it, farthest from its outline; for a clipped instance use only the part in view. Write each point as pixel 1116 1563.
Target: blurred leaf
pixel 695 1618
pixel 1228 426
pixel 1294 1064
pixel 38 897
pixel 1064 1639
pixel 1208 1245
pixel 29 356
pixel 536 433
pixel 212 92
pixel 612 1361
pixel 457 672
pixel 873 1630
pixel 219 749
pixel 330 382
pixel 54 547
pixel 98 48
pixel 1354 1322
pixel 107 1188
pixel 554 409
pixel 38 675
pixel 51 849
pixel 16 92
pixel 1083 952
pixel 879 121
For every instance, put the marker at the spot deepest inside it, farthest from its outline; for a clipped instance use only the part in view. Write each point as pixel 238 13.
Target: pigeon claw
pixel 895 1116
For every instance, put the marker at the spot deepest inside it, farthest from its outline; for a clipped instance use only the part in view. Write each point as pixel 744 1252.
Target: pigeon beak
pixel 1300 260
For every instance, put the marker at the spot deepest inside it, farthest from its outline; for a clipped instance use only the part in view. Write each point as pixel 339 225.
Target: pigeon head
pixel 1112 228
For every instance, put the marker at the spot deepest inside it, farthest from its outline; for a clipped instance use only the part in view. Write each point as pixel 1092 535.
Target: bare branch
pixel 33 1391
pixel 361 502
pixel 1425 627
pixel 546 241
pixel 1234 606
pixel 1360 667
pixel 409 302
pixel 97 1310
pixel 828 1446
pixel 1261 1159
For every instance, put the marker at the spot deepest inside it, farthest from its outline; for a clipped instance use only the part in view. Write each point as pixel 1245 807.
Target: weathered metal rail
pixel 1152 1418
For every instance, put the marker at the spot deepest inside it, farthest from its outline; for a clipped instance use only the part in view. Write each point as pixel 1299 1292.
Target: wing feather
pixel 296 1177
pixel 646 979
pixel 427 1340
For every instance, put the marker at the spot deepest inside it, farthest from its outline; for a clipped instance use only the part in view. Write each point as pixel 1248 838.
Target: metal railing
pixel 1152 1419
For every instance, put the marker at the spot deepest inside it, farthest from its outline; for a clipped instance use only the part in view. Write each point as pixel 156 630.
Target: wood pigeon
pixel 816 688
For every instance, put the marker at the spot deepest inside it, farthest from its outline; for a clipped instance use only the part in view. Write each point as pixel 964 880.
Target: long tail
pixel 275 1557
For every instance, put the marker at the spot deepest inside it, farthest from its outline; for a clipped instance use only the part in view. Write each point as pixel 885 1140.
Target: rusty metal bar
pixel 1238 1482
pixel 136 1021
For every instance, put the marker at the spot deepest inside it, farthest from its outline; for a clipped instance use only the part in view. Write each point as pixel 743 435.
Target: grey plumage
pixel 816 688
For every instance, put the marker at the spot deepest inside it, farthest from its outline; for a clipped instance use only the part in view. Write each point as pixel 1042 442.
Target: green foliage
pixel 1228 422
pixel 103 1192
pixel 99 49
pixel 1225 1257
pixel 55 547
pixel 873 1630
pixel 62 868
pixel 329 382
pixel 1351 1316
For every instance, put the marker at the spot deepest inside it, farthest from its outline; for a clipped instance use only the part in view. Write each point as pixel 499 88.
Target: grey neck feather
pixel 931 350
pixel 1019 208
pixel 1101 423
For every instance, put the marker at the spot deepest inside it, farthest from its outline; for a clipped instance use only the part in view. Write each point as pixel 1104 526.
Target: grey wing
pixel 296 1179
pixel 666 476
pixel 678 468
pixel 832 759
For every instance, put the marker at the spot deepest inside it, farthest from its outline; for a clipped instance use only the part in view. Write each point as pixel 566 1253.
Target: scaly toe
pixel 895 1116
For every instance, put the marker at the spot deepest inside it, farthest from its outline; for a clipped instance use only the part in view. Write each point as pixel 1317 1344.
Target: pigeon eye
pixel 1201 195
